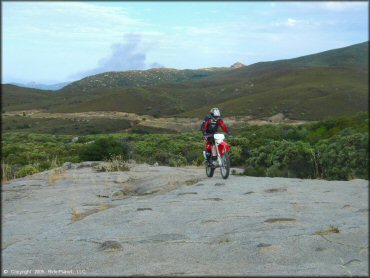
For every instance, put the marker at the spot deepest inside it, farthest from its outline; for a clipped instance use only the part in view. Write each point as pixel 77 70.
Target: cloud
pixel 291 22
pixel 344 6
pixel 129 55
pixel 67 20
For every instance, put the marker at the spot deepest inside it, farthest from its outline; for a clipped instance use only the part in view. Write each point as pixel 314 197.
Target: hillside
pixel 14 97
pixel 310 94
pixel 140 78
pixel 313 87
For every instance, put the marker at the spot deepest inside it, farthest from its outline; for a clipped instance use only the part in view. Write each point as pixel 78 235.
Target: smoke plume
pixel 124 56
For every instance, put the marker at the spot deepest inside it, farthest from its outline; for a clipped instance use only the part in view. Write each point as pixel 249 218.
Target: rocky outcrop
pixel 237 65
pixel 155 220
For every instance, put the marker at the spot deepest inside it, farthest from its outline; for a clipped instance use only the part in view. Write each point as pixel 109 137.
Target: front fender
pixel 223 148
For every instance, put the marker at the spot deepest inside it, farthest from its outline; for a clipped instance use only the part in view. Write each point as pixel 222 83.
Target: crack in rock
pixel 141 209
pixel 187 193
pixel 274 190
pixel 279 220
pixel 212 199
pixel 111 246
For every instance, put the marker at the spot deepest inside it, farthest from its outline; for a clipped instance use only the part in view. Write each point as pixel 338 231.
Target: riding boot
pixel 214 160
pixel 208 158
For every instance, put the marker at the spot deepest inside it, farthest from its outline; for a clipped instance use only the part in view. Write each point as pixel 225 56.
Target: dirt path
pixel 172 123
pixel 175 221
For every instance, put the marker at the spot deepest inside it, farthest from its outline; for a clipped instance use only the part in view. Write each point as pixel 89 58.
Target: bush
pixel 194 156
pixel 236 155
pixel 254 171
pixel 103 149
pixel 276 170
pixel 283 159
pixel 177 161
pixel 26 170
pixel 344 157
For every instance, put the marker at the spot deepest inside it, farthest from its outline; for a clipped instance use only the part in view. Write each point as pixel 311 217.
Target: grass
pixel 192 181
pixel 331 230
pixel 64 126
pixel 79 215
pixel 6 173
pixel 224 240
pixel 114 164
pixel 172 182
pixel 55 177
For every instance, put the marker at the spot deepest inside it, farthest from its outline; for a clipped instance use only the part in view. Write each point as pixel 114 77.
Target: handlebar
pixel 211 135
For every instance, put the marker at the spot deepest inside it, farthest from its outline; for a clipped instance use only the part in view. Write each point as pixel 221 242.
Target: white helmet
pixel 215 112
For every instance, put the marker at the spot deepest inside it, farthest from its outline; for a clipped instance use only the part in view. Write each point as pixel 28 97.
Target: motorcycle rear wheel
pixel 225 167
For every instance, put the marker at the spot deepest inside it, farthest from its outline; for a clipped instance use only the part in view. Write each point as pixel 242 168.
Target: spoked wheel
pixel 225 167
pixel 209 171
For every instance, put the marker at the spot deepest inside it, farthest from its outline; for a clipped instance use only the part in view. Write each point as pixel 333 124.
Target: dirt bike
pixel 221 150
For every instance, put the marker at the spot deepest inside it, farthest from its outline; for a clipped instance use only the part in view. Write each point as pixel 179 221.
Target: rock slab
pixel 175 221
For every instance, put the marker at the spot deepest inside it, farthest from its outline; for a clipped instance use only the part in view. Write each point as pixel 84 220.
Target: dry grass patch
pixel 192 181
pixel 114 164
pixel 79 215
pixel 6 173
pixel 172 182
pixel 56 176
pixel 331 230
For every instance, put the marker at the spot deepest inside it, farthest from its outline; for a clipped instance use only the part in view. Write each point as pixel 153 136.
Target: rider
pixel 209 127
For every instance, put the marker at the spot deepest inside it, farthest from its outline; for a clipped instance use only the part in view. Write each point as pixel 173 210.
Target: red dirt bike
pixel 221 150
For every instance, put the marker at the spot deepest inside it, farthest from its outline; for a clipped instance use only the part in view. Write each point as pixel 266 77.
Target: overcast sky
pixel 51 42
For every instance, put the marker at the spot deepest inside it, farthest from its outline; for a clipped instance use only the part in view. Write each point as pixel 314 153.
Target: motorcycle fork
pixel 218 154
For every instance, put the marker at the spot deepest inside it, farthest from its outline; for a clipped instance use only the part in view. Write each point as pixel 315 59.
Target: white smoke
pixel 124 56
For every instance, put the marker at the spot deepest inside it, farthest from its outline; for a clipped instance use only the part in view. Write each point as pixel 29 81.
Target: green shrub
pixel 162 157
pixel 276 170
pixel 177 161
pixel 254 171
pixel 236 156
pixel 344 157
pixel 26 170
pixel 102 148
pixel 331 149
pixel 284 159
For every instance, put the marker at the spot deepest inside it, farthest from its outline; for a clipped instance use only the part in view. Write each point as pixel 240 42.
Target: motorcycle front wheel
pixel 210 171
pixel 225 167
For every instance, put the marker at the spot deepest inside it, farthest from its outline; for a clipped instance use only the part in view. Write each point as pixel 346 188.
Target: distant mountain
pixel 312 87
pixel 145 78
pixel 140 78
pixel 50 87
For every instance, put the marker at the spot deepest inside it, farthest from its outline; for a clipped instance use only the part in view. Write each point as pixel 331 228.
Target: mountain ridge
pixel 260 90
